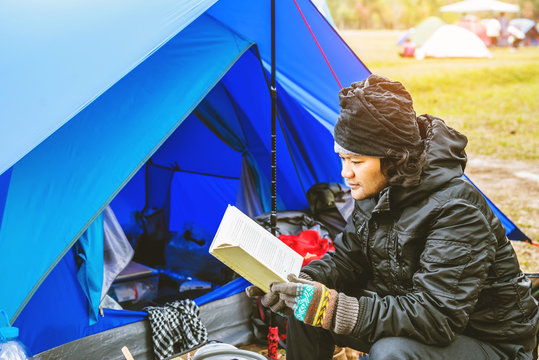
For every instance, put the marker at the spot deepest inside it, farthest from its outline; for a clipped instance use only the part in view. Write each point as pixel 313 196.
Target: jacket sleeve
pixel 454 264
pixel 344 268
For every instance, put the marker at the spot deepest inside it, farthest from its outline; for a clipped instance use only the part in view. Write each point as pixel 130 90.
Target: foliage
pixel 403 14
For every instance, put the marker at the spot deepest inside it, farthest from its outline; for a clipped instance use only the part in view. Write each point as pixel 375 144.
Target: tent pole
pixel 273 91
pixel 273 331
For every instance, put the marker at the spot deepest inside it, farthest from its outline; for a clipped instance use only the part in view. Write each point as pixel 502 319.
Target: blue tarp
pixel 105 87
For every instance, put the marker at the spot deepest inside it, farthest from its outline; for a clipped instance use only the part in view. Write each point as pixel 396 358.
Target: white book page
pixel 237 229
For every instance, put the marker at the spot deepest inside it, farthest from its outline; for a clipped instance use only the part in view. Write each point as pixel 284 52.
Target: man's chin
pixel 357 194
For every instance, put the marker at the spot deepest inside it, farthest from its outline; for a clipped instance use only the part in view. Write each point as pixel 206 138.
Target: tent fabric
pixel 453 41
pixel 528 27
pixel 75 184
pixel 58 311
pixel 82 50
pixel 405 36
pixel 60 302
pixel 315 93
pixel 232 288
pixel 89 257
pixel 105 41
pixel 511 230
pixel 226 122
pixel 425 29
pixel 473 24
pixel 117 251
pixel 5 179
pixel 522 24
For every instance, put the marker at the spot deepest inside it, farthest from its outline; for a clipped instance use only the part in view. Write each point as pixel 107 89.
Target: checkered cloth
pixel 176 327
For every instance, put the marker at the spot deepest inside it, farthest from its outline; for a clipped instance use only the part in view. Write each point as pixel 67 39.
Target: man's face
pixel 363 175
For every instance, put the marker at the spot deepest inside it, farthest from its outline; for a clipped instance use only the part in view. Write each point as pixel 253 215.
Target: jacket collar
pixel 378 204
pixel 383 204
pixel 445 160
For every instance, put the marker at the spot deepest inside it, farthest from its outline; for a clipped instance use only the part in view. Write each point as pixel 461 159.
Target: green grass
pixel 495 101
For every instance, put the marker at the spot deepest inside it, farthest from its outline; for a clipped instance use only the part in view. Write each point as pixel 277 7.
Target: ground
pixel 340 353
pixel 512 184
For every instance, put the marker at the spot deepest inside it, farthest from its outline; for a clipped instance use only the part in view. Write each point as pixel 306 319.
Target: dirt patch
pixel 513 186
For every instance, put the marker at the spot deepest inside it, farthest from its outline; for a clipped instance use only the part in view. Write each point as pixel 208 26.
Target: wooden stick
pixel 127 353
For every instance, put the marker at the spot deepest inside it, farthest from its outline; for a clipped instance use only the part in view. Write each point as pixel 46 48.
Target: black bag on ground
pixel 331 204
pixel 150 245
pixel 292 222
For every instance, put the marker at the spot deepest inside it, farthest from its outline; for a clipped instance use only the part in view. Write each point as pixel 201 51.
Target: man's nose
pixel 346 171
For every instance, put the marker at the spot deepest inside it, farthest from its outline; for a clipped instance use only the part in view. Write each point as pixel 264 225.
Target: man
pixel 504 30
pixel 423 269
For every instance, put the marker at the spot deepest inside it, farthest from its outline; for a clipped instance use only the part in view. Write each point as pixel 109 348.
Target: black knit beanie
pixel 377 114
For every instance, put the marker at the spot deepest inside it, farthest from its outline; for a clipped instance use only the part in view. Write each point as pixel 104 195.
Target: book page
pixel 237 229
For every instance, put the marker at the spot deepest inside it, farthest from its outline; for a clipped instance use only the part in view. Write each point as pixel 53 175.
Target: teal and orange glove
pixel 315 304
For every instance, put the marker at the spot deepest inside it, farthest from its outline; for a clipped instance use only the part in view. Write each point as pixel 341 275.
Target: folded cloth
pixel 176 327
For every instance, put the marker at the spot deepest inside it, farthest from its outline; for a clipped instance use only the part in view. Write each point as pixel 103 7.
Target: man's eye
pixel 357 162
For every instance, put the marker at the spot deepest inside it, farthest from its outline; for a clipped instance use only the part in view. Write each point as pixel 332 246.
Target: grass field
pixel 494 102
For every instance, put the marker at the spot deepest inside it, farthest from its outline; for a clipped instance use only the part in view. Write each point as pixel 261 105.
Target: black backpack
pixel 331 204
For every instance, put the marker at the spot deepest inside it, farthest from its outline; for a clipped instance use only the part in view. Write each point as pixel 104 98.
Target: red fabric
pixel 476 27
pixel 409 49
pixel 308 244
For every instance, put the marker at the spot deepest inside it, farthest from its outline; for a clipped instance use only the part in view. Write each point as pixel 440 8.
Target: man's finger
pixel 293 278
pixel 284 288
pixel 290 301
pixel 269 299
pixel 253 291
pixel 279 307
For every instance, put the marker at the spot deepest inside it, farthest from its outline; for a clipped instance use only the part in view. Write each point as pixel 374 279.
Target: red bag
pixel 308 244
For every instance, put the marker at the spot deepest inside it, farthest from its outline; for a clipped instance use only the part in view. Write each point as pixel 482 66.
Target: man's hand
pixel 312 302
pixel 316 305
pixel 270 300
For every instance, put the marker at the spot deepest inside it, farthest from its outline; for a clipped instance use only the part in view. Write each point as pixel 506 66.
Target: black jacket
pixel 434 257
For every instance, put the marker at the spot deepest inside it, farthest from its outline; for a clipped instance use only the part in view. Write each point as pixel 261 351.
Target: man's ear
pixel 385 166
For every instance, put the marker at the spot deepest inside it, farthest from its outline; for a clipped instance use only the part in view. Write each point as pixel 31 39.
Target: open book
pixel 252 251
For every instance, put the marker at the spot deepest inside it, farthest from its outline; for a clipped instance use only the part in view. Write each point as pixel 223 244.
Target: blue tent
pixel 93 92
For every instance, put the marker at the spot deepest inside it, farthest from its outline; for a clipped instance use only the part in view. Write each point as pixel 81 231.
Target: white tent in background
pixel 452 41
pixel 468 6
